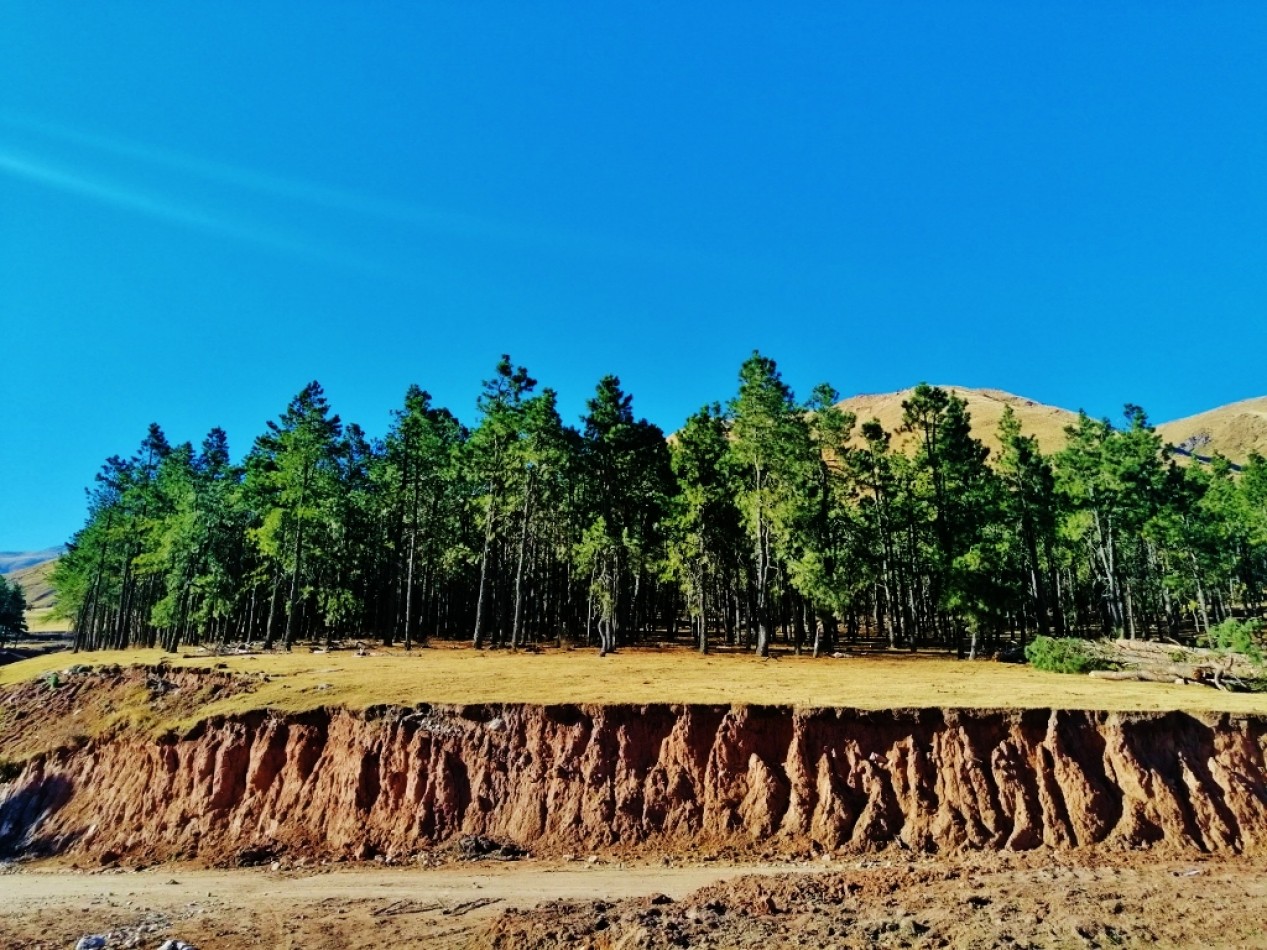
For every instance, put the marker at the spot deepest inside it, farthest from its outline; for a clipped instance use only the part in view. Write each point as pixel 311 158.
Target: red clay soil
pixel 646 780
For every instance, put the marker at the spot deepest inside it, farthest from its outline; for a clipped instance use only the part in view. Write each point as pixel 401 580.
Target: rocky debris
pixel 144 933
pixel 476 847
pixel 159 685
pixel 935 902
pixel 255 855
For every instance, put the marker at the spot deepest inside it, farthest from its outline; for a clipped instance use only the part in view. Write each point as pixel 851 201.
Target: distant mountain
pixel 985 408
pixel 16 560
pixel 36 584
pixel 1233 431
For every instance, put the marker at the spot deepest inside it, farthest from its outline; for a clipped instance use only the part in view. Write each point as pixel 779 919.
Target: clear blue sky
pixel 203 206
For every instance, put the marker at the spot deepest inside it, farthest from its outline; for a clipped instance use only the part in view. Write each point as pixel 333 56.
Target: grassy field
pixel 42 621
pixel 452 674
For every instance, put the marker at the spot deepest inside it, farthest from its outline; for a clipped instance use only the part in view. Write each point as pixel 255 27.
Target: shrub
pixel 1065 655
pixel 1237 636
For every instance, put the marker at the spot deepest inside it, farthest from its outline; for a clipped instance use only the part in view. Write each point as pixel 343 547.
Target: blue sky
pixel 203 206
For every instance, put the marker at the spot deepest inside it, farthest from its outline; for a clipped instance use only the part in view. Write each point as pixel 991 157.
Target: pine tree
pixel 297 466
pixel 771 443
pixel 705 526
pixel 491 459
pixel 625 465
pixel 1030 513
pixel 823 543
pixel 12 611
pixel 959 492
pixel 418 481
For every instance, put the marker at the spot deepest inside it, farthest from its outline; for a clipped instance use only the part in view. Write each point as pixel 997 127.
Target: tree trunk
pixel 478 639
pixel 517 625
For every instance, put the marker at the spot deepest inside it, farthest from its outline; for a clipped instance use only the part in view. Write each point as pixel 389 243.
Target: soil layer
pixel 650 780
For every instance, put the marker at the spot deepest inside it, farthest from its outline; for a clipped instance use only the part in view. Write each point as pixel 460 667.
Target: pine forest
pixel 765 522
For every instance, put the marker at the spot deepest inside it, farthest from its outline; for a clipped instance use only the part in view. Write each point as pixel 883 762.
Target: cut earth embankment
pixel 331 783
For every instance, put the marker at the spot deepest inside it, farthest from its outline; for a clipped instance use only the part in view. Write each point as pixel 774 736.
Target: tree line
pixel 762 520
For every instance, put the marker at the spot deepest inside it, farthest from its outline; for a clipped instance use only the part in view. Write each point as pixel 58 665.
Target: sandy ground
pixel 363 906
pixel 1039 899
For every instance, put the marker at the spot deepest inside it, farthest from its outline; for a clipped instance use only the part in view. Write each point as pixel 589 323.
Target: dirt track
pixel 350 907
pixel 1074 899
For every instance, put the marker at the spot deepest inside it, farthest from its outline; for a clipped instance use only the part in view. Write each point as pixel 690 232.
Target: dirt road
pixel 1079 899
pixel 348 907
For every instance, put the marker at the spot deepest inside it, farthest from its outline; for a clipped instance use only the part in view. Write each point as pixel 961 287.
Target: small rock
pixel 910 927
pixel 91 942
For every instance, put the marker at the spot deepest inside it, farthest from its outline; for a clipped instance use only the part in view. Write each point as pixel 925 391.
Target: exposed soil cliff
pixel 650 778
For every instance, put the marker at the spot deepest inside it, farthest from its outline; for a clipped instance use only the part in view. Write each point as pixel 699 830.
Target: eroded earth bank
pixel 647 779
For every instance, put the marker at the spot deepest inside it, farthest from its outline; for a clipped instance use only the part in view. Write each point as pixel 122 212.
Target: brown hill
pixel 1234 430
pixel 36 582
pixel 985 406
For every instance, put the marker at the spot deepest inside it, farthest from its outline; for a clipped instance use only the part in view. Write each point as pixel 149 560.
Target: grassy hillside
pixel 1234 430
pixel 40 596
pixel 1045 423
pixel 36 582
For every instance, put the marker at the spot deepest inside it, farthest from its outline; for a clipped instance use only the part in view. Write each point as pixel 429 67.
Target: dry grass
pixel 43 621
pixel 1234 430
pixel 985 407
pixel 449 674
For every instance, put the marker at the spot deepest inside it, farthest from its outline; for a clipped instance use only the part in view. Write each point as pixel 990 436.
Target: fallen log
pixel 1144 676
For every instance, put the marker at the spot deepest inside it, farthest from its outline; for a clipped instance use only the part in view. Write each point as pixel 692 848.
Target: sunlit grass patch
pixel 303 680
